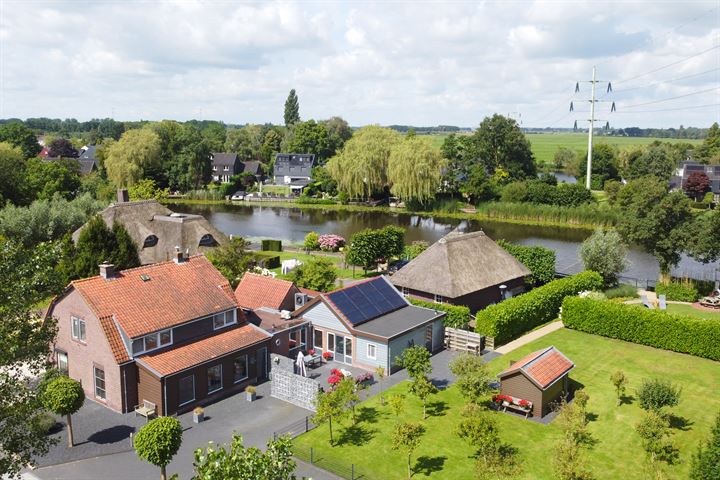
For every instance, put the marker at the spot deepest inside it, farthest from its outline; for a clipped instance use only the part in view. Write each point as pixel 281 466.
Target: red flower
pixel 334 379
pixel 524 403
pixel 327 355
pixel 311 351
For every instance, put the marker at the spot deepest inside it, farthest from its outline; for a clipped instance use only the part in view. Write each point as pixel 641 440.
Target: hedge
pixel 457 315
pixel 515 316
pixel 267 260
pixel 539 260
pixel 678 292
pixel 271 245
pixel 633 323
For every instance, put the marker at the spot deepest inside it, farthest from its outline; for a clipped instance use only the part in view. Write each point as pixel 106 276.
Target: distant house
pixel 254 167
pixel 87 159
pixel 223 166
pixel 44 152
pixel 686 168
pixel 169 333
pixel 293 170
pixel 462 269
pixel 369 324
pixel 157 230
pixel 541 378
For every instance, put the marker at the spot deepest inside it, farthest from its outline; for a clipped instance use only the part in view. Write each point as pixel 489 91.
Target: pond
pixel 292 224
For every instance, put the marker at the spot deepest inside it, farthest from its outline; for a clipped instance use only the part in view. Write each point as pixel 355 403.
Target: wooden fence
pixel 464 341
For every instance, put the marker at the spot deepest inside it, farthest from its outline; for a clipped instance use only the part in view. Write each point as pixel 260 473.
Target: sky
pixel 418 62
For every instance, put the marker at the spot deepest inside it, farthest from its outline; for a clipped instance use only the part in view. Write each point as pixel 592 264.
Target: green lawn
pixel 338 261
pixel 617 454
pixel 683 309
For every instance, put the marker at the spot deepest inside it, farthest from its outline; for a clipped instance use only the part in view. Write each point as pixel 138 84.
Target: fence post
pixel 307 423
pixel 312 456
pixel 275 436
pixel 352 471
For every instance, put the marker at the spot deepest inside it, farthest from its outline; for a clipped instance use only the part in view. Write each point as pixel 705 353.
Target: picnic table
pixel 315 359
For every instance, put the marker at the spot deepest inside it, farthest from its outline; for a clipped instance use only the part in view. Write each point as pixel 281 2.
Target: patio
pixel 322 372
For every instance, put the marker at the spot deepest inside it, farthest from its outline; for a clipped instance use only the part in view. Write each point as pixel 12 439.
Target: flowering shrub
pixel 336 372
pixel 502 398
pixel 524 403
pixel 364 377
pixel 327 355
pixel 334 379
pixel 330 242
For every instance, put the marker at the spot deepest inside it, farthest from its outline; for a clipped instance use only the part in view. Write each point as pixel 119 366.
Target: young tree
pixel 704 232
pixel 655 433
pixel 406 437
pixel 240 463
pixel 568 462
pixel 706 461
pixel 158 441
pixel 416 360
pixel 20 136
pixel 329 406
pixel 414 249
pixel 604 252
pixel 44 179
pixel 472 376
pixel 146 189
pixel 657 394
pixel 311 241
pixel 348 397
pixel 292 109
pixel 64 396
pixel 62 147
pixel 414 170
pixel 232 259
pixel 422 388
pixel 12 180
pixel 317 274
pixel 339 132
pixel 137 152
pixel 619 381
pixel 380 372
pixel 604 165
pixel 396 403
pixel 696 184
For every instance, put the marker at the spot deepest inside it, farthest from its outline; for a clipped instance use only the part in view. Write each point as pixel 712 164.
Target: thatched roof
pixel 458 264
pixel 148 217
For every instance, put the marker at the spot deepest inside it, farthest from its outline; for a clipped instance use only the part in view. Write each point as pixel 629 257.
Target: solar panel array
pixel 365 301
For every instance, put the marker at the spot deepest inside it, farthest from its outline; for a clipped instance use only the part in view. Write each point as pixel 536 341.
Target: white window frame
pixel 439 299
pixel 95 383
pixel 193 389
pixel 221 379
pixel 405 291
pixel 79 330
pixel 374 351
pixel 247 371
pixel 158 344
pixel 226 322
pixel 58 353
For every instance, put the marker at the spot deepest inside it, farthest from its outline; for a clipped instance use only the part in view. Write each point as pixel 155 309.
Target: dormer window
pixel 224 319
pixel 151 341
pixel 150 241
pixel 207 240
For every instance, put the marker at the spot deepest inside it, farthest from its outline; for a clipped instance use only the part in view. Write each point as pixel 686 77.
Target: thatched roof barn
pixel 462 269
pixel 157 230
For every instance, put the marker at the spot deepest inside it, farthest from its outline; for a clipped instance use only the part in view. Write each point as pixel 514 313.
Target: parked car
pixel 239 195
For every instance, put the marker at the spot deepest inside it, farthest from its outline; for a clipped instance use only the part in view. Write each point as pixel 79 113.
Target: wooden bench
pixel 147 409
pixel 513 405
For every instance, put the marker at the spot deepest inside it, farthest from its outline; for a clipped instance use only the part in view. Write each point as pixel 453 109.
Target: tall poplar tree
pixel 292 109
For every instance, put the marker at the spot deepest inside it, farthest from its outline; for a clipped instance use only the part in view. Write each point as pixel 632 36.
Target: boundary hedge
pixel 633 323
pixel 509 319
pixel 539 260
pixel 457 315
pixel 271 245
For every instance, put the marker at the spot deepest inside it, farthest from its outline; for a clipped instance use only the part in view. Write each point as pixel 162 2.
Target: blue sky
pixel 392 62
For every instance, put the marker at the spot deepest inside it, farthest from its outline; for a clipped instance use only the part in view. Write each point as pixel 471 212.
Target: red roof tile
pixel 543 367
pixel 113 336
pixel 183 357
pixel 255 291
pixel 171 294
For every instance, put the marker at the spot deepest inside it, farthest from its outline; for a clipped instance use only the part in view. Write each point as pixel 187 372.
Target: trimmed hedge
pixel 457 315
pixel 678 292
pixel 633 323
pixel 515 316
pixel 539 260
pixel 267 260
pixel 271 245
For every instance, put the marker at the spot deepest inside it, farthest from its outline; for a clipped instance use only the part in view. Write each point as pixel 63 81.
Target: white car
pixel 238 196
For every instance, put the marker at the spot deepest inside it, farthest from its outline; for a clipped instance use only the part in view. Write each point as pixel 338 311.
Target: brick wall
pixel 291 388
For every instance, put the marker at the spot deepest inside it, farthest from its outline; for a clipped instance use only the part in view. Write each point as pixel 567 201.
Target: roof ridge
pixel 133 269
pixel 537 357
pixel 365 280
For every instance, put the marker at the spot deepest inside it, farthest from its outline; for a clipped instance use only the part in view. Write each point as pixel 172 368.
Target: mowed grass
pixel 684 309
pixel 342 273
pixel 617 453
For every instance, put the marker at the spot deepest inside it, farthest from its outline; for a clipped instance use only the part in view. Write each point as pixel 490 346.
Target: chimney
pixel 122 195
pixel 179 257
pixel 107 270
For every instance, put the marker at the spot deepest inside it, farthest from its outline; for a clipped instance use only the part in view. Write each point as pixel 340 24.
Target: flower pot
pixel 250 396
pixel 198 417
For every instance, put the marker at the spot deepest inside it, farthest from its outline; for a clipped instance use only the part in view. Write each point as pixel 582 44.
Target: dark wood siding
pixel 553 394
pixel 149 388
pixel 199 328
pixel 128 383
pixel 519 386
pixel 488 296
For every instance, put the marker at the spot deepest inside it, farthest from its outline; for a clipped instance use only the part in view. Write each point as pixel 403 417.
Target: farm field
pixel 617 453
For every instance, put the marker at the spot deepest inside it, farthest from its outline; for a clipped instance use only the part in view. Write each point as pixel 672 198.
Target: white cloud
pixel 385 62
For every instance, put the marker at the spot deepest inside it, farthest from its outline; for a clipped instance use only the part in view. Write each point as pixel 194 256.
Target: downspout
pixel 164 382
pixel 127 408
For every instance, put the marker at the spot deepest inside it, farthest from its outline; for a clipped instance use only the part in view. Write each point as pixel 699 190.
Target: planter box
pixel 250 396
pixel 198 417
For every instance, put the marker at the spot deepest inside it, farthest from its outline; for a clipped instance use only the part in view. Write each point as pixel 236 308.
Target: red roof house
pixel 541 378
pixel 256 291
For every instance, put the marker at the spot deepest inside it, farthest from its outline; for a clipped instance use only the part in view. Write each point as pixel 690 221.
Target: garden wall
pixel 289 387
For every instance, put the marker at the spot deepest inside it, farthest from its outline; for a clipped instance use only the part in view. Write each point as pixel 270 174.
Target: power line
pixel 671 98
pixel 667 81
pixel 668 65
pixel 673 109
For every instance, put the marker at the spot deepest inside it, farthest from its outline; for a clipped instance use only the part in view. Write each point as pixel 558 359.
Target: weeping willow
pixel 415 170
pixel 361 167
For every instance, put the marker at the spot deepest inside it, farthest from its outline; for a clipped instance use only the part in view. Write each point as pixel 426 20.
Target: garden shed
pixel 540 378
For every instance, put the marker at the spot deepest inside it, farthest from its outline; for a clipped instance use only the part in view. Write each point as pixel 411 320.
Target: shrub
pixel 632 323
pixel 514 192
pixel 457 316
pixel 540 261
pixel 44 423
pixel 604 252
pixel 271 245
pixel 622 291
pixel 656 393
pixel 586 214
pixel 311 241
pixel 678 291
pixel 331 243
pixel 267 260
pixel 509 319
pixel 303 200
pixel 158 441
pixel 316 274
pixel 414 249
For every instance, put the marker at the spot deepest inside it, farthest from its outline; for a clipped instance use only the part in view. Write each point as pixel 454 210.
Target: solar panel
pixel 365 301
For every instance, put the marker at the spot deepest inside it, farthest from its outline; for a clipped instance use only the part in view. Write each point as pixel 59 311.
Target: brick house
pixel 462 269
pixel 169 333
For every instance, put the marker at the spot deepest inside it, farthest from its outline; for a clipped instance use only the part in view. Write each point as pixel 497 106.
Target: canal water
pixel 256 222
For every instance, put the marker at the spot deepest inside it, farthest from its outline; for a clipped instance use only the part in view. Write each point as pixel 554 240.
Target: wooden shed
pixel 541 378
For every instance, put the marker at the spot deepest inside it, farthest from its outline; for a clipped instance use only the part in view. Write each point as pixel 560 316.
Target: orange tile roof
pixel 183 357
pixel 255 291
pixel 543 367
pixel 172 294
pixel 113 336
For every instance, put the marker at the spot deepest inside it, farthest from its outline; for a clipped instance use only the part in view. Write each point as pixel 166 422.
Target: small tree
pixel 158 441
pixel 656 394
pixel 422 388
pixel 232 259
pixel 380 372
pixel 604 252
pixel 706 462
pixel 479 430
pixel 328 407
pixel 64 396
pixel 397 403
pixel 416 360
pixel 346 391
pixel 472 376
pixel 292 109
pixel 568 461
pixel 311 241
pixel 619 381
pixel 406 437
pixel 654 431
pixel 317 274
pixel 696 184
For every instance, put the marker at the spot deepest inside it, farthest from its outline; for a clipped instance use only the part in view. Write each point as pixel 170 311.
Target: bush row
pixel 540 260
pixel 457 315
pixel 515 316
pixel 677 291
pixel 267 260
pixel 271 245
pixel 633 323
pixel 590 214
pixel 302 200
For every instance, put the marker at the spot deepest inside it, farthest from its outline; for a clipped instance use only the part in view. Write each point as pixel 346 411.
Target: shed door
pixel 429 337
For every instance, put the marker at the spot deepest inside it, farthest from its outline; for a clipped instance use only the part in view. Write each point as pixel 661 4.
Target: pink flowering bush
pixel 331 242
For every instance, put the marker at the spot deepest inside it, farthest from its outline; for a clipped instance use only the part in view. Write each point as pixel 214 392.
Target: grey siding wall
pixel 399 344
pixel 438 335
pixel 361 358
pixel 322 317
pixel 517 385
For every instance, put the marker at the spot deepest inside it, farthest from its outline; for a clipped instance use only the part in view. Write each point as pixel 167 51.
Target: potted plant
pixel 250 393
pixel 327 356
pixel 198 414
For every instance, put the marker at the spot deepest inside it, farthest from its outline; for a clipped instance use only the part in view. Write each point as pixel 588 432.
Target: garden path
pixel 525 339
